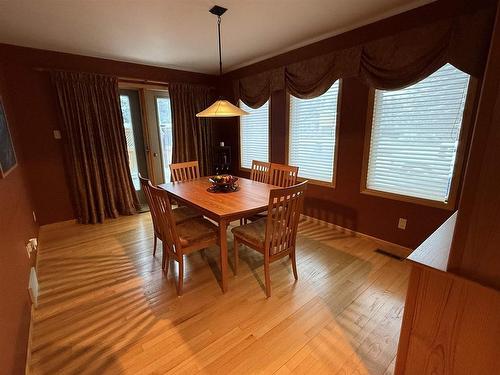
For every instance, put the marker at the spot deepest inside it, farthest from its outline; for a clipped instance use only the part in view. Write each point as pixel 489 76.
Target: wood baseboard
pixel 392 248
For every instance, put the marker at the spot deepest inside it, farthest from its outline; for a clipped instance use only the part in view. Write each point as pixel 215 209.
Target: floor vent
pixel 388 254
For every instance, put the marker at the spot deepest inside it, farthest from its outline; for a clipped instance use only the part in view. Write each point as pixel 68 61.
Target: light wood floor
pixel 106 307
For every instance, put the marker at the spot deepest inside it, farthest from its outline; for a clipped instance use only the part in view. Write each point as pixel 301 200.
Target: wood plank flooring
pixel 106 307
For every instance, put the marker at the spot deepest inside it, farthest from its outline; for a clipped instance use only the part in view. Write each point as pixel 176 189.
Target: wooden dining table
pixel 251 198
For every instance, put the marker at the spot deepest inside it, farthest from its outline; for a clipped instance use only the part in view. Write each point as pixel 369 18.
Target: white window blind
pixel 415 135
pixel 254 134
pixel 312 132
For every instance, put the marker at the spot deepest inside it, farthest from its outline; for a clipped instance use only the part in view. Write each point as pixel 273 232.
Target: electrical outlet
pixel 57 134
pixel 29 249
pixel 402 223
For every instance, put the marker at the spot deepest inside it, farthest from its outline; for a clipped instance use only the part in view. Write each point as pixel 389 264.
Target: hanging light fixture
pixel 221 108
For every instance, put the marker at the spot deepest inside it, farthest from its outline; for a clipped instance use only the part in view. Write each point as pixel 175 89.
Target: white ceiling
pixel 182 33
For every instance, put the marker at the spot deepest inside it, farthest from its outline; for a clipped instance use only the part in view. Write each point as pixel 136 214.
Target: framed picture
pixel 8 159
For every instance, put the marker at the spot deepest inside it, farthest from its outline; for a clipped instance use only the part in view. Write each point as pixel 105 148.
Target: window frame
pixel 463 145
pixel 269 115
pixel 332 184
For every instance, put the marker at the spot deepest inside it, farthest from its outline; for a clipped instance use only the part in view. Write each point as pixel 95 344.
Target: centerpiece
pixel 224 183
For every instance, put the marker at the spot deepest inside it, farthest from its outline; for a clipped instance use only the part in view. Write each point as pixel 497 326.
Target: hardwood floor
pixel 106 307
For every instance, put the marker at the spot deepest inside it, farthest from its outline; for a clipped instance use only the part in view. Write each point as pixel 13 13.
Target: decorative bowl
pixel 223 183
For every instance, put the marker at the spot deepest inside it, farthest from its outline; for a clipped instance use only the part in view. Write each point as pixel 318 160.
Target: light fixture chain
pixel 220 45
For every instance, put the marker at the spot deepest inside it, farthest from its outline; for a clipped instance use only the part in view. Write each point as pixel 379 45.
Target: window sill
pixel 405 198
pixel 317 182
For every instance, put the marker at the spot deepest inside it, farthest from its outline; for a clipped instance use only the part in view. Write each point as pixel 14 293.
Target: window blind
pixel 254 135
pixel 312 131
pixel 415 136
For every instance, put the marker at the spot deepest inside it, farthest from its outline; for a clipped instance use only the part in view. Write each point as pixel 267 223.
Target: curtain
pixel 192 136
pixel 392 62
pixel 95 145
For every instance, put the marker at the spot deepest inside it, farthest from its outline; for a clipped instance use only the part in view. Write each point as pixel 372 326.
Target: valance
pixel 391 62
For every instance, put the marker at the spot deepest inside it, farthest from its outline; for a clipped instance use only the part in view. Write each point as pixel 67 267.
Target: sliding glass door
pixel 160 132
pixel 131 112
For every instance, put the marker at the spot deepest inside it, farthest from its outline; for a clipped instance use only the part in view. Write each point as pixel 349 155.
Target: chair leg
pixel 154 244
pixel 167 263
pixel 236 246
pixel 164 256
pixel 241 222
pixel 268 278
pixel 181 275
pixel 294 264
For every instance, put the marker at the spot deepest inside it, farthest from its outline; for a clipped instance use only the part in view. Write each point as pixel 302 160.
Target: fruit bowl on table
pixel 223 183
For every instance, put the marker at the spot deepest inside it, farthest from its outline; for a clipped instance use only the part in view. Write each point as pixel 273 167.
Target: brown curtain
pixel 192 136
pixel 96 147
pixel 392 62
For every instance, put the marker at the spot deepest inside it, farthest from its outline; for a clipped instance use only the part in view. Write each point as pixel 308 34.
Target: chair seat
pixel 197 230
pixel 184 213
pixel 254 233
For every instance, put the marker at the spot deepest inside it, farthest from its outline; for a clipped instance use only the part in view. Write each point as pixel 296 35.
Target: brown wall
pixel 344 205
pixel 35 106
pixel 16 227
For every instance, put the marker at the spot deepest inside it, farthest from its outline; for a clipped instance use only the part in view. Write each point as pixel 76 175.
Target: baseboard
pixel 59 224
pixel 30 333
pixel 392 248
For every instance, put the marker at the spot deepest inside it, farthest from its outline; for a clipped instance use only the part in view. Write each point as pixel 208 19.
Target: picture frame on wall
pixel 8 160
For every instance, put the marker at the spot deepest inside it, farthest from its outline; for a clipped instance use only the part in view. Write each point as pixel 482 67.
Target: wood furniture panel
pixel 451 326
pixel 251 198
pixel 475 253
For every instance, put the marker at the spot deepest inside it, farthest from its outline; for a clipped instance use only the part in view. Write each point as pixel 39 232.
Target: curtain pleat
pixel 392 62
pixel 95 145
pixel 192 136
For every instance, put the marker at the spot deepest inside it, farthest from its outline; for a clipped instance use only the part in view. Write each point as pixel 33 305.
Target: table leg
pixel 223 254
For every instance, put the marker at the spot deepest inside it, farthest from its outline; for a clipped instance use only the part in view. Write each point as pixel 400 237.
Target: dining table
pixel 251 197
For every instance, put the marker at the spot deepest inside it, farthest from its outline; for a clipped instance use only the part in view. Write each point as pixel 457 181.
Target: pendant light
pixel 221 108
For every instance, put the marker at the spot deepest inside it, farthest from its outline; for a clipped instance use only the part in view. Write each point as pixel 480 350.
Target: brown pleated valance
pixel 392 62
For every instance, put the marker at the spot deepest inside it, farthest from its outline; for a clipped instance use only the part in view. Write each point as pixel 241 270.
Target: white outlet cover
pixel 57 134
pixel 402 223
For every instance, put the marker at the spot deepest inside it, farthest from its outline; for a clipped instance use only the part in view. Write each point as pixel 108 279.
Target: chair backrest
pixel 166 224
pixel 285 206
pixel 283 175
pixel 189 170
pixel 146 188
pixel 260 171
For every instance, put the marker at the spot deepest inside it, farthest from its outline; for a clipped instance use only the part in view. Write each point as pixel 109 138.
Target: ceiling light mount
pixel 218 10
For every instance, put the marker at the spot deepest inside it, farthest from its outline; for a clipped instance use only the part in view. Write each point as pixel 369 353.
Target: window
pixel 165 126
pixel 415 135
pixel 313 125
pixel 254 135
pixel 129 136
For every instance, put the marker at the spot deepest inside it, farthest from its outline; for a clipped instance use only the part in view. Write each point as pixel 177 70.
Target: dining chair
pixel 260 171
pixel 180 214
pixel 185 171
pixel 180 238
pixel 274 236
pixel 283 175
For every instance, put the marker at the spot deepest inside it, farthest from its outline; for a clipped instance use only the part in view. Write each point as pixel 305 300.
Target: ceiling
pixel 182 33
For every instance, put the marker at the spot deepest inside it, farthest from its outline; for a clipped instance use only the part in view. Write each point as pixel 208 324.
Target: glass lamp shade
pixel 222 108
